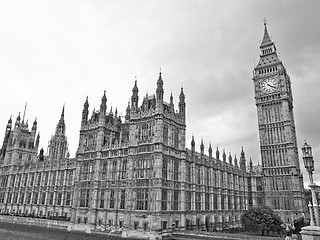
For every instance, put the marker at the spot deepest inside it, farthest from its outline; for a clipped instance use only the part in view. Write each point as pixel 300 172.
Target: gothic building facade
pixel 136 172
pixel 283 183
pixel 32 184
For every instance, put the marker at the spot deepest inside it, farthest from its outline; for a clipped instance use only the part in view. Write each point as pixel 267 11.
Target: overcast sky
pixel 59 52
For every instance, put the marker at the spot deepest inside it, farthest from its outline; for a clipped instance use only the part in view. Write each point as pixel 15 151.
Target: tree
pixel 262 218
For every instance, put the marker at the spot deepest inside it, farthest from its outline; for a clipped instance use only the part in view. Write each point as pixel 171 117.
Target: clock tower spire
pixel 283 183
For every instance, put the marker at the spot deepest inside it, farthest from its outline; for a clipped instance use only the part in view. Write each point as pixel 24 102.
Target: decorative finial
pixel 265 21
pixel 24 113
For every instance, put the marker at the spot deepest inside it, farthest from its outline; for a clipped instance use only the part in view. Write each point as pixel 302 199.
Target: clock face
pixel 270 84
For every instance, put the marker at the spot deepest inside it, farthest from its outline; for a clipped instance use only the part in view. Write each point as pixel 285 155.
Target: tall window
pixel 59 198
pixel 164 199
pixel 39 178
pixel 101 205
pixel 165 134
pixel 207 201
pixel 50 198
pixel 114 170
pixel 188 201
pixel 53 178
pixel 43 198
pixel 188 172
pixel 175 200
pixel 32 179
pixel 86 171
pixel 176 170
pixel 112 199
pixel 46 177
pixel 165 167
pixel 123 169
pixel 68 198
pixel 84 197
pixel 222 202
pixel 70 177
pixel 142 199
pixel 35 198
pixel 176 138
pixel 104 170
pixel 198 201
pixel 13 180
pixel 21 199
pixel 123 199
pixel 9 197
pixel 198 174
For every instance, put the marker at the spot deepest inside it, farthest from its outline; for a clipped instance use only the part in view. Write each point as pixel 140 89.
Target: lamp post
pixel 309 165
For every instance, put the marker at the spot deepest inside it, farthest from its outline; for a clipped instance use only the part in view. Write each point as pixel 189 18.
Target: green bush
pixel 262 219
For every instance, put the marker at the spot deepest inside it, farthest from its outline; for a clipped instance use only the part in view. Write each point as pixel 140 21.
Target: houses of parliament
pixel 137 172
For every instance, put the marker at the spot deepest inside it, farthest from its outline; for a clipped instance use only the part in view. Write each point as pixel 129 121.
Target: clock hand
pixel 271 85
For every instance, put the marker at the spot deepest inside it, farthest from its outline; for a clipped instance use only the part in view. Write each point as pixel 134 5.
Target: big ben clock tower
pixel 282 179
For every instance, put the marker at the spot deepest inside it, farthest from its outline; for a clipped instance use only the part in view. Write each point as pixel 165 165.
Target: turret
pixel 127 117
pixel 103 109
pixel 242 160
pixel 103 105
pixel 201 148
pixel 235 160
pixel 171 105
pixel 159 91
pixel 224 157
pixel 6 138
pixel 210 151
pixel 37 140
pixel 41 156
pixel 61 127
pixel 182 103
pixel 85 112
pixel 34 126
pixel 193 144
pixel 230 158
pixel 250 166
pixel 135 97
pixel 217 153
pixel 17 124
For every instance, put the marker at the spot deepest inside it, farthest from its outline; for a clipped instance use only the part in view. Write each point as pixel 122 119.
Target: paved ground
pixel 9 231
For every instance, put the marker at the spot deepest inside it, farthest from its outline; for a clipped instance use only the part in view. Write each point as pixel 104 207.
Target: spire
pixel 61 127
pixel 62 114
pixel 250 165
pixel 85 112
pixel 171 104
pixel 103 105
pixel 235 160
pixel 182 104
pixel 230 158
pixel 135 97
pixel 224 155
pixel 159 91
pixel 24 112
pixel 127 117
pixel 193 144
pixel 266 38
pixel 34 126
pixel 9 122
pixel 242 160
pixel 210 151
pixel 202 148
pixel 217 153
pixel 37 140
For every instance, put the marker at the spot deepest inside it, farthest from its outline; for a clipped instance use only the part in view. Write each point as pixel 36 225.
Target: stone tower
pixel 283 183
pixel 58 145
pixel 20 146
